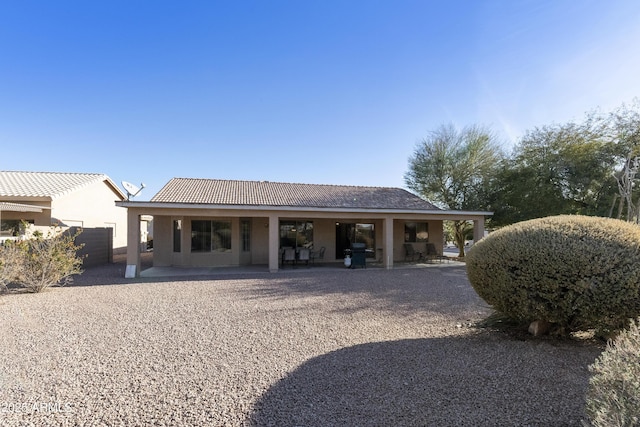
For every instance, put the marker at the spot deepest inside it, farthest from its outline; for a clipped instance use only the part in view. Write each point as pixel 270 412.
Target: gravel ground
pixel 297 348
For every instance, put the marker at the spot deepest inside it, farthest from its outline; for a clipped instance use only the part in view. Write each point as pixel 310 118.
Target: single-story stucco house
pixel 67 199
pixel 212 222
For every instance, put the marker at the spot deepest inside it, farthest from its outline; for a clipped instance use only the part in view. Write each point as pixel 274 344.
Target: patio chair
pixel 303 255
pixel 410 253
pixel 432 253
pixel 317 254
pixel 289 255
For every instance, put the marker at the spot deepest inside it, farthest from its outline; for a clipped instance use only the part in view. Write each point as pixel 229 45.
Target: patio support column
pixel 274 243
pixel 133 244
pixel 478 229
pixel 387 229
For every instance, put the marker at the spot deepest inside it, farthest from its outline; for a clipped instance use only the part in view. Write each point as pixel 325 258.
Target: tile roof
pixel 47 184
pixel 264 193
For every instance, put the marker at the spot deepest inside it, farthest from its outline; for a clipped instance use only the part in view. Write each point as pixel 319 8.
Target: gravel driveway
pixel 297 348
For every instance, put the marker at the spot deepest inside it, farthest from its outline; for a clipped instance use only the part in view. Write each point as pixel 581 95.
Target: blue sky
pixel 325 92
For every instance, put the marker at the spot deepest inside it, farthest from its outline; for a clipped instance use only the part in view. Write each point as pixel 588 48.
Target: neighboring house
pixel 209 222
pixel 67 199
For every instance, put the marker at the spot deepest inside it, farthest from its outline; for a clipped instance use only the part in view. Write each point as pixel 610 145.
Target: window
pixel 416 232
pixel 295 234
pixel 177 235
pixel 365 233
pixel 210 236
pixel 245 235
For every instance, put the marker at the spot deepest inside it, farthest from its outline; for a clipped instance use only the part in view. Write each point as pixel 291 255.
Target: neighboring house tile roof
pixel 264 193
pixel 48 184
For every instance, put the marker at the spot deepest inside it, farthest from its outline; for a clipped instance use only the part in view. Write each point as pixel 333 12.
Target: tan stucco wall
pixel 163 241
pixel 260 240
pixel 92 206
pixel 436 234
pixel 324 234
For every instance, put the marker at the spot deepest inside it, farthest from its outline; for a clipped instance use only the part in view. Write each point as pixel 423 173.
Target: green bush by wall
pixel 613 398
pixel 574 271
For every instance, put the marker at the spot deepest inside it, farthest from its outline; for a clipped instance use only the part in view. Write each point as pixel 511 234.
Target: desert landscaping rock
pixel 305 348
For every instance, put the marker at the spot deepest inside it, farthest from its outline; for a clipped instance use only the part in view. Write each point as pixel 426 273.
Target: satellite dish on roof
pixel 131 189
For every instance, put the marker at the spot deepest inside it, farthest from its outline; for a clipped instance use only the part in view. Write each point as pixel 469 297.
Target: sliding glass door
pixel 349 233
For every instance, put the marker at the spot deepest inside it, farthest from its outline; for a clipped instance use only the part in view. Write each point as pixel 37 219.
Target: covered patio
pixel 218 223
pixel 8 228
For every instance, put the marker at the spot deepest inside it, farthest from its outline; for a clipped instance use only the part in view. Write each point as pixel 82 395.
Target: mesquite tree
pixel 453 169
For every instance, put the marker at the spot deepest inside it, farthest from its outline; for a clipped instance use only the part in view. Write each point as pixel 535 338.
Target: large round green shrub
pixel 613 398
pixel 575 271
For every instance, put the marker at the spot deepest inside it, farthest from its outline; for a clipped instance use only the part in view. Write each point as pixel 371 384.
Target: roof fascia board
pixel 19 199
pixel 195 206
pixel 115 188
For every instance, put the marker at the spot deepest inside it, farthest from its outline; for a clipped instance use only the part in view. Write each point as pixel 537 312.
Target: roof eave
pixel 115 188
pixel 20 207
pixel 99 178
pixel 205 206
pixel 25 198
